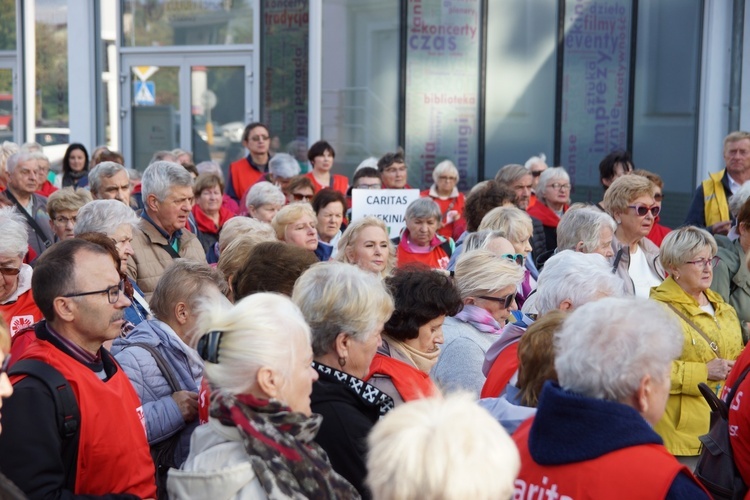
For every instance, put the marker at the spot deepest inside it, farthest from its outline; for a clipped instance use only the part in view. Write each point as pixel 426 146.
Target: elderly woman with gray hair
pixel 419 242
pixel 711 333
pixel 444 191
pixel 346 309
pixel 553 196
pixel 281 169
pixel 612 359
pixel 487 286
pixel 586 229
pixel 116 220
pixel 264 200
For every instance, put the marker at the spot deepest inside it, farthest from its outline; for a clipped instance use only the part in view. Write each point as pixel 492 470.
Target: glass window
pixel 6 104
pixel 360 79
pixel 284 75
pixel 155 104
pixel 147 23
pixel 442 90
pixel 7 24
pixel 51 78
pixel 520 82
pixel 665 115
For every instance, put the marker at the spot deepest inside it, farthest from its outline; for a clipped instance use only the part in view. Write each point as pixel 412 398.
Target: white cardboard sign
pixel 388 205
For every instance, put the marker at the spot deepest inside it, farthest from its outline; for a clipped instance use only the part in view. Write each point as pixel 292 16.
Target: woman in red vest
pixel 592 435
pixel 321 155
pixel 419 242
pixel 423 299
pixel 245 172
pixel 553 197
pixel 451 202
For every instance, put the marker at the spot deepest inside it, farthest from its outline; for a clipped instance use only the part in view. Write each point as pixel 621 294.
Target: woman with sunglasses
pixel 712 339
pixel 553 198
pixel 487 285
pixel 413 334
pixel 630 201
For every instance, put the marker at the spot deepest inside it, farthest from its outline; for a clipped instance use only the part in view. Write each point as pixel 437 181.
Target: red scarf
pixel 206 224
pixel 546 215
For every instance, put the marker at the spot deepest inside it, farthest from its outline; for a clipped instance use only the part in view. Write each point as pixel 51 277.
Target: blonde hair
pixel 234 256
pixel 243 226
pixel 339 298
pixel 351 234
pixel 257 332
pixel 67 199
pixel 288 215
pixel 624 190
pixel 481 271
pixel 512 221
pixel 441 448
pixel 683 244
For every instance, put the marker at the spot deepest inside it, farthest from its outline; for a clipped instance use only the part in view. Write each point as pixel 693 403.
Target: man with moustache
pixel 77 287
pixel 709 207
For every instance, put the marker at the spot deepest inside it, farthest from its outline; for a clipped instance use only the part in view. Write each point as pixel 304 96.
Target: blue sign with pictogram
pixel 145 93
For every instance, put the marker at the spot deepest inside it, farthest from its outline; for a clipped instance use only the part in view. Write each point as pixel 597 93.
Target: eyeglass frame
pixel 5 364
pixel 15 271
pixel 654 209
pixel 518 258
pixel 560 187
pixel 302 197
pixel 118 289
pixel 260 138
pixel 369 186
pixel 506 301
pixel 713 261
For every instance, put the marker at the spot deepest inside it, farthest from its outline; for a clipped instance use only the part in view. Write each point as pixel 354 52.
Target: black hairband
pixel 208 346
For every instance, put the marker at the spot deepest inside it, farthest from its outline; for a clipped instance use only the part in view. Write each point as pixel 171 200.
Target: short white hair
pixel 441 448
pixel 210 167
pixel 161 176
pixel 443 168
pixel 14 242
pixel 263 193
pixel 582 224
pixel 103 216
pixel 283 165
pixel 370 162
pixel 683 244
pixel 578 277
pixel 17 159
pixel 423 208
pixel 239 226
pixel 105 169
pixel 548 177
pixel 542 158
pixel 738 199
pixel 605 348
pixel 481 272
pixel 340 298
pixel 514 223
pixel 257 332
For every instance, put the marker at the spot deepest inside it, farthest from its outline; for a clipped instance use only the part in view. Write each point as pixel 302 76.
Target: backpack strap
pixel 67 412
pixel 174 384
pixel 733 390
pixel 29 220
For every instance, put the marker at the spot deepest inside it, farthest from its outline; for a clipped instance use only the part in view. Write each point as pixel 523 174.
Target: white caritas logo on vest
pixel 531 491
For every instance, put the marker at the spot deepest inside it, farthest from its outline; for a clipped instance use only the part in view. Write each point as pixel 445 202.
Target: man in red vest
pixel 592 435
pixel 79 291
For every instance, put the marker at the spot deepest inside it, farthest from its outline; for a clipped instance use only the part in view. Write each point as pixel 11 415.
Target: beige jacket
pixel 150 259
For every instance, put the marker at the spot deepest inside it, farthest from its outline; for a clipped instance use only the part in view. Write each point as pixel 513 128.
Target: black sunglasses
pixel 5 365
pixel 505 301
pixel 536 173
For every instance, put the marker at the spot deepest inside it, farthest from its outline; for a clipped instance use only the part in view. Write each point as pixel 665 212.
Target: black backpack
pixel 716 469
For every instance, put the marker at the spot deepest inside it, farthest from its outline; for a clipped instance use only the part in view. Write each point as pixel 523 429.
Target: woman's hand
pixel 718 368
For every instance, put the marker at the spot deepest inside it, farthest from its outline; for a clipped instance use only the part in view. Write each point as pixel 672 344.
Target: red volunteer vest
pixel 501 372
pixel 410 382
pixel 113 453
pixel 642 471
pixel 340 183
pixel 244 176
pixel 21 314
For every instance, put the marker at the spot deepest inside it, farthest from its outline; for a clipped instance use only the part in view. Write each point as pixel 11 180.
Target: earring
pixel 676 277
pixel 342 362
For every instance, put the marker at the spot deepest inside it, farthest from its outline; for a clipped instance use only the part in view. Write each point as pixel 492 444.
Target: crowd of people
pixel 177 333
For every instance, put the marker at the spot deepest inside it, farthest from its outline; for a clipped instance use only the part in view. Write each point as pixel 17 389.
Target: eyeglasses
pixel 259 138
pixel 558 186
pixel 505 301
pixel 302 197
pixel 368 186
pixel 642 210
pixel 515 257
pixel 536 173
pixel 702 263
pixel 658 196
pixel 447 178
pixel 113 292
pixel 9 271
pixel 5 365
pixel 63 221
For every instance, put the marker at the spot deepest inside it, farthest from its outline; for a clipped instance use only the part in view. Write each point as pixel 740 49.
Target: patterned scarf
pixel 369 394
pixel 480 319
pixel 279 442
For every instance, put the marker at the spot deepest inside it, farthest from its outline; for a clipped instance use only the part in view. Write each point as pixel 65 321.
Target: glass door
pixel 199 103
pixel 9 117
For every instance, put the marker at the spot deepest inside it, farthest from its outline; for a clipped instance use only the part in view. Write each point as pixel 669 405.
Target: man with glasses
pixel 78 289
pixel 22 184
pixel 710 208
pixel 17 306
pixel 393 170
